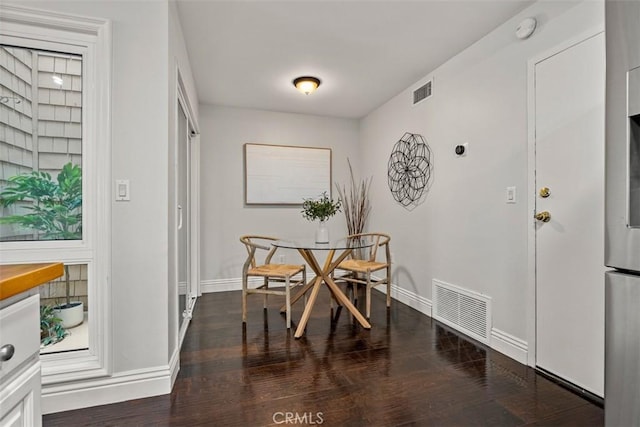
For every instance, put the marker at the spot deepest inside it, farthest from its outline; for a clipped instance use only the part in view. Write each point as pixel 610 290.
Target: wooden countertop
pixel 17 278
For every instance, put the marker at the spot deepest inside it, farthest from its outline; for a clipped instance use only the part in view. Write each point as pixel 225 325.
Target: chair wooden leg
pixel 354 288
pixel 352 292
pixel 266 287
pixel 304 282
pixel 244 299
pixel 331 299
pixel 368 294
pixel 287 293
pixel 388 287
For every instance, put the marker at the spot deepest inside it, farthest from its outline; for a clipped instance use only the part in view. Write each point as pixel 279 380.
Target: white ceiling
pixel 246 53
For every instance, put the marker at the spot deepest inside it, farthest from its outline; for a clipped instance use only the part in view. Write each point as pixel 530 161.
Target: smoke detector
pixel 526 28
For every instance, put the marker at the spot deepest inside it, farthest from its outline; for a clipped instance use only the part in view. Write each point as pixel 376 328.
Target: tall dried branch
pixel 355 202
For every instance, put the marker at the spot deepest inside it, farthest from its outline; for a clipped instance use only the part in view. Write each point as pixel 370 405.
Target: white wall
pixel 224 216
pixel 465 233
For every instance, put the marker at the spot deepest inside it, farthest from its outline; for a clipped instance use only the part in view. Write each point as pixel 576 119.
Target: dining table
pixel 308 248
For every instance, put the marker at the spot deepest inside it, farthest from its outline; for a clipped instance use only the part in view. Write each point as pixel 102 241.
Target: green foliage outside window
pixel 51 329
pixel 56 209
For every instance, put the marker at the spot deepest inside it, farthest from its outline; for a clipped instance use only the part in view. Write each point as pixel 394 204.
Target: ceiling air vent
pixel 422 93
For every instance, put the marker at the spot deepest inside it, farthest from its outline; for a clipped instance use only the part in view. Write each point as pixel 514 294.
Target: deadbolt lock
pixel 544 192
pixel 543 216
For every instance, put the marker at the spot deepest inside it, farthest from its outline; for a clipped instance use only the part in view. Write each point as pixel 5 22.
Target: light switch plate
pixel 511 195
pixel 122 190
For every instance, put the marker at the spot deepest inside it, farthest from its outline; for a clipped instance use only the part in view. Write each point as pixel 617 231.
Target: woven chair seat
pixel 361 266
pixel 275 270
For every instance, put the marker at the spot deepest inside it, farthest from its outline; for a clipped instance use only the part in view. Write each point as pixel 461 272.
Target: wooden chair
pixel 269 272
pixel 356 271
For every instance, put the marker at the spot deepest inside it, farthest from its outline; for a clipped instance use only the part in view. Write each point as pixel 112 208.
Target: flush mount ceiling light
pixel 306 84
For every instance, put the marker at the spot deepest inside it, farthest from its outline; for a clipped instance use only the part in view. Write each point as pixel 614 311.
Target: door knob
pixel 6 352
pixel 545 192
pixel 543 216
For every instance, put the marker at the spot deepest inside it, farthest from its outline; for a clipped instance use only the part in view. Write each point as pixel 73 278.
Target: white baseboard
pixel 501 341
pixel 509 345
pixel 223 285
pixel 220 285
pixel 174 365
pixel 413 300
pixel 102 391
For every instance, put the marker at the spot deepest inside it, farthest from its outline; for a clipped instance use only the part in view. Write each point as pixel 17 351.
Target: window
pixel 55 171
pixel 41 172
pixel 40 145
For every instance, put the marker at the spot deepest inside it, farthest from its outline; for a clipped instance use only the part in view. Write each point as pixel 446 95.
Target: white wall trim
pixel 174 364
pixel 51 19
pixel 501 341
pixel 509 345
pixel 123 386
pixel 224 285
pixel 531 181
pixel 413 300
pixel 220 285
pixel 90 37
pixel 196 247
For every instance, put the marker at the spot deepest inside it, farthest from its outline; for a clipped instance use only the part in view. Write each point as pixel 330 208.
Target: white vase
pixel 322 233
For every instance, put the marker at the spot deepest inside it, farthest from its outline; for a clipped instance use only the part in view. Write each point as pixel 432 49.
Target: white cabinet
pixel 20 385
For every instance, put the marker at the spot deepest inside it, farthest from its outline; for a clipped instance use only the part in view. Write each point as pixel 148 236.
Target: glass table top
pixel 310 243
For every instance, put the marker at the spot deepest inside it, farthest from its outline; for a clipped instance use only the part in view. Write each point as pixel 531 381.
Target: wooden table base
pixel 323 275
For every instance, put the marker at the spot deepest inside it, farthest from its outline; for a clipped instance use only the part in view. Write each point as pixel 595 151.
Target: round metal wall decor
pixel 409 170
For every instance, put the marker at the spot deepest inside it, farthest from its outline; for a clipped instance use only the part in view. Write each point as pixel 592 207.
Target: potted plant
pixel 320 209
pixel 55 213
pixel 51 329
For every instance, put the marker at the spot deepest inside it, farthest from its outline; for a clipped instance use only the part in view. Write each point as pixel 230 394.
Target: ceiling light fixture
pixel 306 84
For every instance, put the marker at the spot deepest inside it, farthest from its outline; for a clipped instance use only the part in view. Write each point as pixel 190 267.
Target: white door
pixel 569 146
pixel 185 291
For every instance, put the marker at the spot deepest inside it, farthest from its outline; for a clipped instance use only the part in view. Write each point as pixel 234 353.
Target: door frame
pixel 531 181
pixel 183 101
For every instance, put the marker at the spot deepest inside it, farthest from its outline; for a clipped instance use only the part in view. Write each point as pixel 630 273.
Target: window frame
pixel 91 38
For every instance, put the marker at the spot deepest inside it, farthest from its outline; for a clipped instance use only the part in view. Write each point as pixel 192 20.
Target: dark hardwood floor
pixel 407 370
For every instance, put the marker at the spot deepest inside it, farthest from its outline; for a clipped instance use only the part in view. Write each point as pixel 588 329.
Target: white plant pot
pixel 322 233
pixel 71 316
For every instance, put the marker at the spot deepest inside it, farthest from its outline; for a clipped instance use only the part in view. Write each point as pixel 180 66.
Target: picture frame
pixel 285 174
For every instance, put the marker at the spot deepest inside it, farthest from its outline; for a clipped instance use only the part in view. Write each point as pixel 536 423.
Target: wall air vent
pixel 466 311
pixel 422 93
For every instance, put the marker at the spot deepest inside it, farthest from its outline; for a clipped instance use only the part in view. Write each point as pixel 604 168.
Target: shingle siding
pixel 37 137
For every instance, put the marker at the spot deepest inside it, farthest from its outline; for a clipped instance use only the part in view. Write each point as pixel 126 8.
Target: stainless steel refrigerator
pixel 622 201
